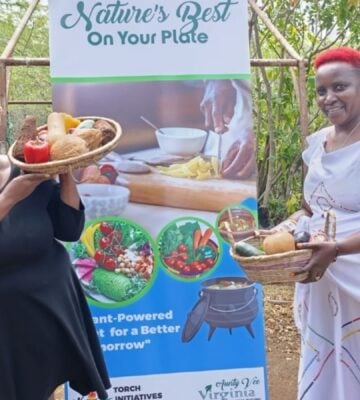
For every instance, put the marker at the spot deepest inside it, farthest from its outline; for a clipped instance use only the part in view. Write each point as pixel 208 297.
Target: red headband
pixel 342 54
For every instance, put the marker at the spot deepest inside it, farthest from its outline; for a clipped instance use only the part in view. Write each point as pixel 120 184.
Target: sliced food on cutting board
pixel 132 167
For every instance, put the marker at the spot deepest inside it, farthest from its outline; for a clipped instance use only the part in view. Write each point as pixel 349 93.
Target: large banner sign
pixel 141 40
pixel 175 314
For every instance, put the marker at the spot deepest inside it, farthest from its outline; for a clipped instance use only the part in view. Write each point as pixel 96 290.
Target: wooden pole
pixel 43 62
pixel 3 102
pixel 266 20
pixel 7 52
pixel 26 62
pixel 19 30
pixel 304 119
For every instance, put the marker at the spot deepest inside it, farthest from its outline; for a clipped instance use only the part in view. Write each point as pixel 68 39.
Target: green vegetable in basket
pixel 244 249
pixel 110 284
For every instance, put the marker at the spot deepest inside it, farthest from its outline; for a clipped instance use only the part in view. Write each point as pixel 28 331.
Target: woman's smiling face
pixel 338 93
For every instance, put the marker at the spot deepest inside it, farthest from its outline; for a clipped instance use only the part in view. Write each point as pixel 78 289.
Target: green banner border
pixel 149 78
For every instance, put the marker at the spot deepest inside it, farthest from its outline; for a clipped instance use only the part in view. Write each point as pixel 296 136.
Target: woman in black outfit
pixel 47 336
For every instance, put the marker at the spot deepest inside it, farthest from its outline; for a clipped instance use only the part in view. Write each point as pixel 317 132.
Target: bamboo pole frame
pixel 295 60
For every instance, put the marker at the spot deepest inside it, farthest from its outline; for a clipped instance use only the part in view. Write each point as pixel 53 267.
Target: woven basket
pixel 281 267
pixel 275 268
pixel 70 164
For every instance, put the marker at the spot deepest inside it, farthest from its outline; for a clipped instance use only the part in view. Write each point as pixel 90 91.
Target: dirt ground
pixel 282 343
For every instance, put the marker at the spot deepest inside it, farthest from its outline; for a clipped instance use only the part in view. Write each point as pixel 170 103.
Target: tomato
pixel 182 248
pixel 99 257
pixel 117 250
pixel 109 171
pixel 104 242
pixel 202 267
pixel 115 237
pixel 106 228
pixel 209 262
pixel 170 262
pixel 183 256
pixel 180 265
pixel 36 151
pixel 195 263
pixel 186 270
pixel 109 263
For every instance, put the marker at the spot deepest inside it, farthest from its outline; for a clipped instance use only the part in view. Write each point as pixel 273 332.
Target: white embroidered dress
pixel 328 312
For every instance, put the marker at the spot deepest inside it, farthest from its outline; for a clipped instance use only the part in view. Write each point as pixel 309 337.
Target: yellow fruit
pixel 279 242
pixel 70 121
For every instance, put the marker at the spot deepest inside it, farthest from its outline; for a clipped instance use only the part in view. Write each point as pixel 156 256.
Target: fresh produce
pixel 114 259
pixel 27 132
pixel 56 127
pixel 36 151
pixel 186 250
pixel 112 285
pixel 205 237
pixel 87 238
pixel 85 124
pixel 70 122
pixel 85 268
pixel 197 237
pixel 93 174
pixel 66 137
pixel 197 168
pixel 279 242
pixel 245 249
pixel 67 146
pixel 108 171
pixel 302 237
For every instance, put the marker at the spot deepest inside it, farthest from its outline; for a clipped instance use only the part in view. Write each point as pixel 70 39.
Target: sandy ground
pixel 282 343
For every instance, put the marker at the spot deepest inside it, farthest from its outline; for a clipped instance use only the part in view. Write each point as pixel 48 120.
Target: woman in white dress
pixel 327 303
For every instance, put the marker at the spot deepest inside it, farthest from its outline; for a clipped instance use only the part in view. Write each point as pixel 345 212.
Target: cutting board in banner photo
pixel 183 182
pixel 114 261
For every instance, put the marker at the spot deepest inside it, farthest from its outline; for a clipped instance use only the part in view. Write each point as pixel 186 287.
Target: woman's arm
pixel 5 206
pixel 66 210
pixel 68 191
pixel 18 189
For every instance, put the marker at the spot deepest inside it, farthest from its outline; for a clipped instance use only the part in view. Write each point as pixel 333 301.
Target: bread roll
pixel 107 130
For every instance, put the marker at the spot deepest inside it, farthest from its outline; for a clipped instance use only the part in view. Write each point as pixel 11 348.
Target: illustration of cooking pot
pixel 227 302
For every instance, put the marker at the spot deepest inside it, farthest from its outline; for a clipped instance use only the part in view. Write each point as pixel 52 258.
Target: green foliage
pixel 26 83
pixel 309 27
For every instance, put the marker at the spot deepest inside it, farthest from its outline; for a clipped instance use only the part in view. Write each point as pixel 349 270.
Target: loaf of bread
pixel 92 137
pixel 107 130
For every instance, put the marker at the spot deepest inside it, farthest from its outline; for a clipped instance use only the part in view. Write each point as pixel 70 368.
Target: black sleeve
pixel 68 222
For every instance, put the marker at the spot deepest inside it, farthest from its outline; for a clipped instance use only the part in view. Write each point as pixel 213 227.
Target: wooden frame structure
pixel 294 60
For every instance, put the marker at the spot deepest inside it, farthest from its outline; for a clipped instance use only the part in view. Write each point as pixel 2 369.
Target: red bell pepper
pixel 36 151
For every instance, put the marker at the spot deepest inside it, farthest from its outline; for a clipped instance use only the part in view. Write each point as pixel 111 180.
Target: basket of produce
pixel 64 144
pixel 275 258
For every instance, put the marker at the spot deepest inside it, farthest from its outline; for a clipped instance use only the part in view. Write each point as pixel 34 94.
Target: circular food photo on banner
pixel 114 261
pixel 236 222
pixel 188 248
